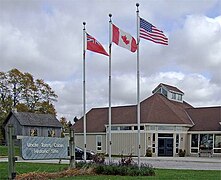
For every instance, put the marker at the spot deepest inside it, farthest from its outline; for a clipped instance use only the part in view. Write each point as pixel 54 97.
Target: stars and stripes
pixel 151 33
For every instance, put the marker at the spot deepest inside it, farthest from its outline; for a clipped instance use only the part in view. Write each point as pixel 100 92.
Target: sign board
pixel 44 148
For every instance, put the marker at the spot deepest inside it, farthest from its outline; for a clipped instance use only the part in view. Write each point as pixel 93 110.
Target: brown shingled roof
pixel 206 118
pixel 155 109
pixel 158 109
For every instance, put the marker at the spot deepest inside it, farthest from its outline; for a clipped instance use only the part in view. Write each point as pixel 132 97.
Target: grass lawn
pixel 30 167
pixel 4 151
pixel 161 174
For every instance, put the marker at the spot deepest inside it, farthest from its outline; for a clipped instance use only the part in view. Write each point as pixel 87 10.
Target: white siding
pixel 126 143
pixel 91 142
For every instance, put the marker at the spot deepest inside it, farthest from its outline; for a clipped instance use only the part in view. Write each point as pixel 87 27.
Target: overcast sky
pixel 44 38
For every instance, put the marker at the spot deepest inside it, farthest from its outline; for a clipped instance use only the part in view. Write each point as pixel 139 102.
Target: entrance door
pixel 165 146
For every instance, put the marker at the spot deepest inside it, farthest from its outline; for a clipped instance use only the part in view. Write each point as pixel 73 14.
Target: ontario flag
pixel 123 39
pixel 95 46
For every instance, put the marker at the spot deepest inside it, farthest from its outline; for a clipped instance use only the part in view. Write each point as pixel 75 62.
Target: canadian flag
pixel 123 39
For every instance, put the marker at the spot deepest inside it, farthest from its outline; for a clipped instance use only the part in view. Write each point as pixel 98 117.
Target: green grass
pixel 4 151
pixel 161 174
pixel 22 168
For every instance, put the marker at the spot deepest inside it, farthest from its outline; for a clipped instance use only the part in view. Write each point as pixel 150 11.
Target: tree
pixel 21 91
pixel 65 125
pixel 75 119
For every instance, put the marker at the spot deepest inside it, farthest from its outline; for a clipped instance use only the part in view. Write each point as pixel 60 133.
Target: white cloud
pixel 44 38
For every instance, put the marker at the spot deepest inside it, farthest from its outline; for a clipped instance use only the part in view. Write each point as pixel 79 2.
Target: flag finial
pixel 84 23
pixel 110 15
pixel 137 4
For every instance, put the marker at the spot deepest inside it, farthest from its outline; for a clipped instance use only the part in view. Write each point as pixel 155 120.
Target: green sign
pixel 44 148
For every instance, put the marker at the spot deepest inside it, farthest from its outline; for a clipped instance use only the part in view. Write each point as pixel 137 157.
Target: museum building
pixel 167 124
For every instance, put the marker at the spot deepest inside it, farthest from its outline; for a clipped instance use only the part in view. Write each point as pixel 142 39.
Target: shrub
pixel 131 170
pixel 98 158
pixel 125 167
pixel 82 164
pixel 126 160
pixel 148 152
pixel 181 153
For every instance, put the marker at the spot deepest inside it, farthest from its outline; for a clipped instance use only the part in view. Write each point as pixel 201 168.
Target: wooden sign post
pixel 11 153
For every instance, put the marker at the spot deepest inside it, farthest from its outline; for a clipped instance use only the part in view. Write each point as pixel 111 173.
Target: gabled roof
pixel 206 118
pixel 97 118
pixel 158 109
pixel 155 109
pixel 168 87
pixel 34 119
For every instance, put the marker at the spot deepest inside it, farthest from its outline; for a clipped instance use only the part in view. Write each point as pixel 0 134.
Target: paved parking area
pixel 196 163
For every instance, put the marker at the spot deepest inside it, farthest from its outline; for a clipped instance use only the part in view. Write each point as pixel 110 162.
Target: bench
pixel 208 152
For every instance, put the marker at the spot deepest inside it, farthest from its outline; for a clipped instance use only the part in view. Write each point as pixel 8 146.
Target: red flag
pixel 123 39
pixel 94 45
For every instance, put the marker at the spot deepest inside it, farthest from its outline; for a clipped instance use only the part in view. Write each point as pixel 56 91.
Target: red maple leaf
pixel 125 40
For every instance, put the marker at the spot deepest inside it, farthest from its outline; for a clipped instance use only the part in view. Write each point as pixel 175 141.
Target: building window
pixel 177 143
pixel 194 143
pixel 166 128
pixel 125 128
pixel 34 132
pixel 217 143
pixel 164 92
pixel 173 96
pixel 99 142
pixel 152 127
pixel 141 127
pixel 153 143
pixel 114 128
pixel 179 97
pixel 206 141
pixel 51 132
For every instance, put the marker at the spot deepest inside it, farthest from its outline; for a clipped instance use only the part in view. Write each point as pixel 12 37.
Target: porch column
pixel 156 144
pixel 174 144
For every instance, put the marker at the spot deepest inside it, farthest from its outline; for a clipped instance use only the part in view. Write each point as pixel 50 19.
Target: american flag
pixel 151 33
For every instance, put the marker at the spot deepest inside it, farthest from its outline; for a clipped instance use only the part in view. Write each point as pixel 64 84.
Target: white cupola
pixel 170 92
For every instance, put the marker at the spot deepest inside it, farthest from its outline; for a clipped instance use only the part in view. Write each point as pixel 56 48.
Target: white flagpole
pixel 84 91
pixel 138 84
pixel 109 109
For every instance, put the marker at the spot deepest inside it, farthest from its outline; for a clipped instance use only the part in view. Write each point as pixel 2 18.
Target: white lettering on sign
pixel 44 148
pixel 41 151
pixel 46 145
pixel 58 145
pixel 54 151
pixel 32 145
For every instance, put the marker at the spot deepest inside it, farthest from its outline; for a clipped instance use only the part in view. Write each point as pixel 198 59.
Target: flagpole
pixel 109 109
pixel 84 91
pixel 138 86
